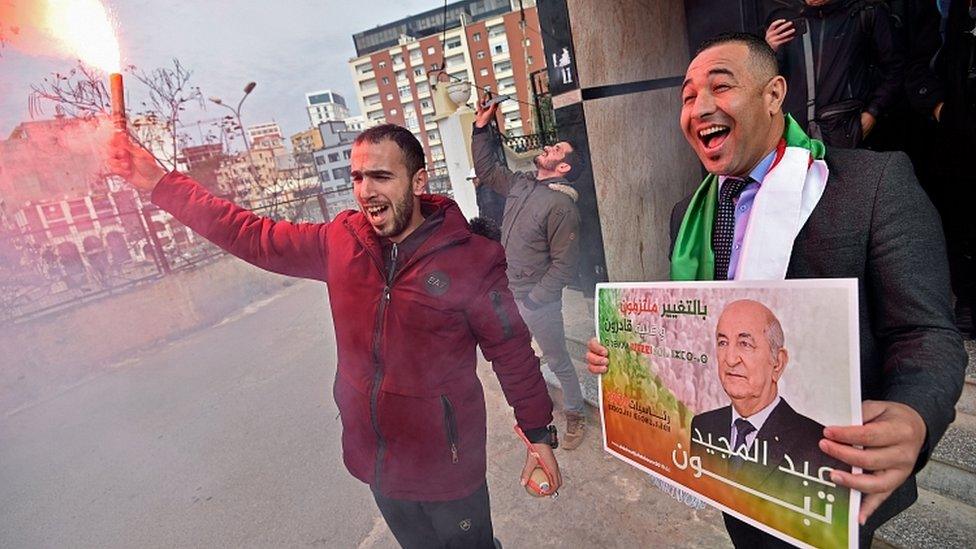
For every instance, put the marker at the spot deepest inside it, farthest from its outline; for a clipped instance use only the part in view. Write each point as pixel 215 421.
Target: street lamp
pixel 237 112
pixel 248 88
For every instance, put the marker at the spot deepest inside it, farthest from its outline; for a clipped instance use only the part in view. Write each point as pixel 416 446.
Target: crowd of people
pixel 891 75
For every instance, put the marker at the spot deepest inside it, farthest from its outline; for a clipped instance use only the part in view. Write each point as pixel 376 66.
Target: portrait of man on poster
pixel 758 432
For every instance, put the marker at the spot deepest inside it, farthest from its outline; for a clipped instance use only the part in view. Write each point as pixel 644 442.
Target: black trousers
pixel 745 536
pixel 459 523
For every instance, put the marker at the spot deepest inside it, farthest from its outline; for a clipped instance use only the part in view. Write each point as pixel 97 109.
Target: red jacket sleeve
pixel 294 249
pixel 505 341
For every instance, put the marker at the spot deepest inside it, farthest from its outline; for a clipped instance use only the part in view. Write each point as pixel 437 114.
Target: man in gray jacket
pixel 540 233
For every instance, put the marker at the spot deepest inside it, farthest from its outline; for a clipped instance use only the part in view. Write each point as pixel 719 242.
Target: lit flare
pixel 85 29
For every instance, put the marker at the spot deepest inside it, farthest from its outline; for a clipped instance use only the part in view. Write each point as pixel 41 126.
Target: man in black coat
pixel 873 223
pixel 841 61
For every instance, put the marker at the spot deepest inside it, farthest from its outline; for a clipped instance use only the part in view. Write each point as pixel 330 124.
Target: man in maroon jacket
pixel 412 292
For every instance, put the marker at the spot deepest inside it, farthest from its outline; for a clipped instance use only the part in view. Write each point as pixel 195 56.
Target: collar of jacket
pixel 560 185
pixel 453 229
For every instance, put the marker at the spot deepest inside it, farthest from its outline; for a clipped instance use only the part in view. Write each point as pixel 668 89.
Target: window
pixel 381 64
pixel 424 104
pixel 333 157
pixel 78 208
pixel 418 72
pixel 529 60
pixel 341 173
pixel 386 80
pixel 481 55
pixel 503 66
pixel 476 37
pixel 393 112
pixel 430 50
pixel 405 92
pixel 347 154
pixel 397 59
pixel 415 55
pixel 483 72
pixel 453 43
pixel 455 61
pixel 324 176
pixel 501 48
pixel 319 160
pixel 528 42
pixel 389 97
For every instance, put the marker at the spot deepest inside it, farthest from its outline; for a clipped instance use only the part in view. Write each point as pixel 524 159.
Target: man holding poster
pixel 778 205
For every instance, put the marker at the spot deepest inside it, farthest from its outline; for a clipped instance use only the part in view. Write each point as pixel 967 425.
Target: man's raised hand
pixel 133 163
pixel 779 32
pixel 483 114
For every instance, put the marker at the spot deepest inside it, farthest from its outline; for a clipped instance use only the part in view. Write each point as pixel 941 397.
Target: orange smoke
pixel 78 29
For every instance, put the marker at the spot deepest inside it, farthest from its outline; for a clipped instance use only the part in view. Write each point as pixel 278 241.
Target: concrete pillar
pixel 629 61
pixel 455 130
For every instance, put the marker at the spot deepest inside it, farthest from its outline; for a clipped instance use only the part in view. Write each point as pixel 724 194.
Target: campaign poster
pixel 723 389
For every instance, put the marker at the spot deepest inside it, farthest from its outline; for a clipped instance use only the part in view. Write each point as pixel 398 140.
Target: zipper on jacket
pixel 451 427
pixel 496 304
pixel 378 365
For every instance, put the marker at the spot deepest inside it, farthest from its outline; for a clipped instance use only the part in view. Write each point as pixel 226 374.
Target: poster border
pixel 854 357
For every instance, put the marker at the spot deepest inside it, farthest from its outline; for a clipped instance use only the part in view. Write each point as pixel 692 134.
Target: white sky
pixel 289 47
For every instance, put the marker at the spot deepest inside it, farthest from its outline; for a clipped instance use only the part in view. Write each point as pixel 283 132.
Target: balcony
pixel 525 143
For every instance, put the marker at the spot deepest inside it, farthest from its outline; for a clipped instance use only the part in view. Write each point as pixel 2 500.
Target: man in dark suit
pixel 871 222
pixel 751 354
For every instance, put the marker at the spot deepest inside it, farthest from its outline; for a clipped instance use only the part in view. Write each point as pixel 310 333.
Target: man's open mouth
pixel 376 212
pixel 713 136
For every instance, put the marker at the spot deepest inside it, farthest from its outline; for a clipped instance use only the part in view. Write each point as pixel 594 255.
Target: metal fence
pixel 43 271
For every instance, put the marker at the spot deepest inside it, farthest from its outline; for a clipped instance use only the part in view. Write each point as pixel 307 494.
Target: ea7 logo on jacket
pixel 437 283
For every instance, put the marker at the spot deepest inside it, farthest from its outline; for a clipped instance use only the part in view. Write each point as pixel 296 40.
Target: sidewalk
pixel 603 503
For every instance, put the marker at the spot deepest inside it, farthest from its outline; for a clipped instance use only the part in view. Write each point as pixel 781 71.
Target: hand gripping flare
pixel 542 479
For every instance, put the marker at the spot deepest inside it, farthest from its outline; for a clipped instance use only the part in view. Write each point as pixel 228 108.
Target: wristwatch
pixel 544 435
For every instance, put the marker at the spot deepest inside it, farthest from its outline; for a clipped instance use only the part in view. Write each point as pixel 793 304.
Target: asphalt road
pixel 230 438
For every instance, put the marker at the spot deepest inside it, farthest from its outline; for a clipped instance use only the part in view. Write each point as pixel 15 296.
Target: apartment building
pixel 325 106
pixel 487 45
pixel 265 136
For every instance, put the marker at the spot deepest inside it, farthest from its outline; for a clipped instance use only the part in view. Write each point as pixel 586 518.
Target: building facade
pixel 265 136
pixel 490 43
pixel 332 163
pixel 325 106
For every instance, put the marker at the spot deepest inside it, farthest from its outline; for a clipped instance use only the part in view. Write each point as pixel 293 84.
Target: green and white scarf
pixel 786 198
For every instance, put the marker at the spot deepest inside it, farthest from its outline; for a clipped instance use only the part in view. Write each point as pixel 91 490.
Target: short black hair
pixel 576 160
pixel 763 56
pixel 413 151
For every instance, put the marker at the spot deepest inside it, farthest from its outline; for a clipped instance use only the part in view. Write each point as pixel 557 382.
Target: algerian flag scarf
pixel 786 198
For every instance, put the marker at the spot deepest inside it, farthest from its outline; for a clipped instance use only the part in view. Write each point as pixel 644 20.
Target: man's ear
pixel 774 94
pixel 782 358
pixel 419 183
pixel 563 168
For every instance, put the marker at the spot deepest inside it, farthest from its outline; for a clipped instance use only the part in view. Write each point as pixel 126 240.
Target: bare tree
pixel 81 93
pixel 169 93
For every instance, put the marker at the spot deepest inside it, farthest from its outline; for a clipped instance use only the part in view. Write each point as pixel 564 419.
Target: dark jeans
pixel 745 536
pixel 458 523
